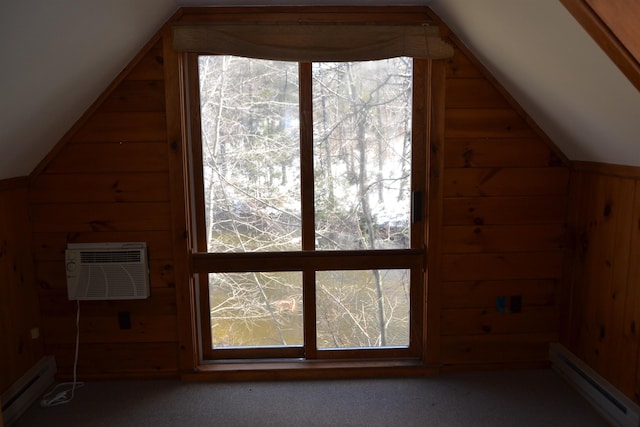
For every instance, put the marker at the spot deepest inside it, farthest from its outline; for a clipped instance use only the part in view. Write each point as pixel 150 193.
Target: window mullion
pixel 195 135
pixel 420 115
pixel 307 209
pixel 306 157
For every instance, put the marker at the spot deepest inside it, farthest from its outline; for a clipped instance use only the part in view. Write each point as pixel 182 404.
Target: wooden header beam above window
pixel 307 42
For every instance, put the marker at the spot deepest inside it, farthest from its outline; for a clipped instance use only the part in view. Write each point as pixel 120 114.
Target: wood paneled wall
pixel 502 204
pixel 19 313
pixel 503 231
pixel 109 182
pixel 622 19
pixel 613 25
pixel 605 297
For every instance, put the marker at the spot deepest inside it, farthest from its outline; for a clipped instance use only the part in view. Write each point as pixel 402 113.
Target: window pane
pixel 256 309
pixel 250 144
pixel 362 309
pixel 362 154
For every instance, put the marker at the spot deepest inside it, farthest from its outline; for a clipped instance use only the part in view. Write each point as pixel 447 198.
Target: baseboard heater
pixel 17 399
pixel 617 408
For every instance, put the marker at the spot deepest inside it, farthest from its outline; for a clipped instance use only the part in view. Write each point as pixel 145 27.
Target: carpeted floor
pixel 510 398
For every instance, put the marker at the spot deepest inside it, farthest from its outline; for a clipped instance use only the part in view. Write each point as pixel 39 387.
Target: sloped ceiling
pixel 59 55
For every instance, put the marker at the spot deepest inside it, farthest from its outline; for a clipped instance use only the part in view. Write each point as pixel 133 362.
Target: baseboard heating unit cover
pixel 19 396
pixel 617 408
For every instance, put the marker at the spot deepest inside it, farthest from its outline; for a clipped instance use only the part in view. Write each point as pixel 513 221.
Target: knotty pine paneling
pixel 498 210
pixel 109 182
pixel 482 293
pixel 136 95
pixel 150 67
pixel 97 188
pixel 83 217
pixel 474 93
pixel 489 349
pixel 106 157
pixel 605 293
pixel 498 152
pixel 19 312
pixel 504 227
pixel 502 266
pixel 474 321
pixel 503 181
pixel 622 19
pixel 499 238
pixel 482 122
pixel 123 127
pixel 500 221
pixel 117 360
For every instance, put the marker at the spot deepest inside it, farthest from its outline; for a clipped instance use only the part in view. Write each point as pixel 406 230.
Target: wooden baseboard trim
pixel 502 366
pixel 119 376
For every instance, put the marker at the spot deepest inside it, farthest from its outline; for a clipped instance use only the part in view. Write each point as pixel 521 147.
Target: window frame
pixel 308 260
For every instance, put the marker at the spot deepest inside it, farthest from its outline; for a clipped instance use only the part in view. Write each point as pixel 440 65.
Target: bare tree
pixel 251 152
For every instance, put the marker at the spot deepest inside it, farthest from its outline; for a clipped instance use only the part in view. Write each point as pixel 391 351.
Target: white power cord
pixel 64 392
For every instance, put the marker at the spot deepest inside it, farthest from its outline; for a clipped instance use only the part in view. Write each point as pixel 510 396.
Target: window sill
pixel 305 369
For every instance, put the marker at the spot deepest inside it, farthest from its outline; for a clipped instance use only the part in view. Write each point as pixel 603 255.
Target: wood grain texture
pixel 472 182
pixel 605 292
pixel 499 152
pixel 473 93
pixel 602 28
pixel 99 188
pixel 83 217
pixel 460 66
pixel 109 182
pixel 496 349
pixel 622 17
pixel 136 95
pixel 433 225
pixel 499 238
pixel 483 293
pixel 19 311
pixel 123 127
pixel 104 157
pixel 180 215
pixel 486 123
pixel 483 321
pixel 107 361
pixel 497 212
pixel 504 212
pixel 502 266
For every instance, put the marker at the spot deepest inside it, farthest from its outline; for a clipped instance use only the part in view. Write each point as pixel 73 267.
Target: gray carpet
pixel 510 398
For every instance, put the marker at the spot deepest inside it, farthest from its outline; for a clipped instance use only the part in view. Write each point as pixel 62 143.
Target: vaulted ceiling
pixel 59 55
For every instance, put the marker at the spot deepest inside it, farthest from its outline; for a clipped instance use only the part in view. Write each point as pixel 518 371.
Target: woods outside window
pixel 310 243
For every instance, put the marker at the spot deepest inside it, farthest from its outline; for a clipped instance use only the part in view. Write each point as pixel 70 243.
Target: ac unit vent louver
pixel 107 271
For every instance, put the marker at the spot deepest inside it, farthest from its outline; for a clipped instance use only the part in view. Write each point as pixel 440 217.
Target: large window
pixel 306 177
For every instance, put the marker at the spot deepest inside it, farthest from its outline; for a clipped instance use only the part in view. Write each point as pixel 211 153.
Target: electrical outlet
pixel 124 319
pixel 515 304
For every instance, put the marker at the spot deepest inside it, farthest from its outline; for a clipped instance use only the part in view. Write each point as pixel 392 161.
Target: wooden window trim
pixel 197 258
pixel 308 261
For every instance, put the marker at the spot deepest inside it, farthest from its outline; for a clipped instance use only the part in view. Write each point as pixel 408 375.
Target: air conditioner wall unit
pixel 107 271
